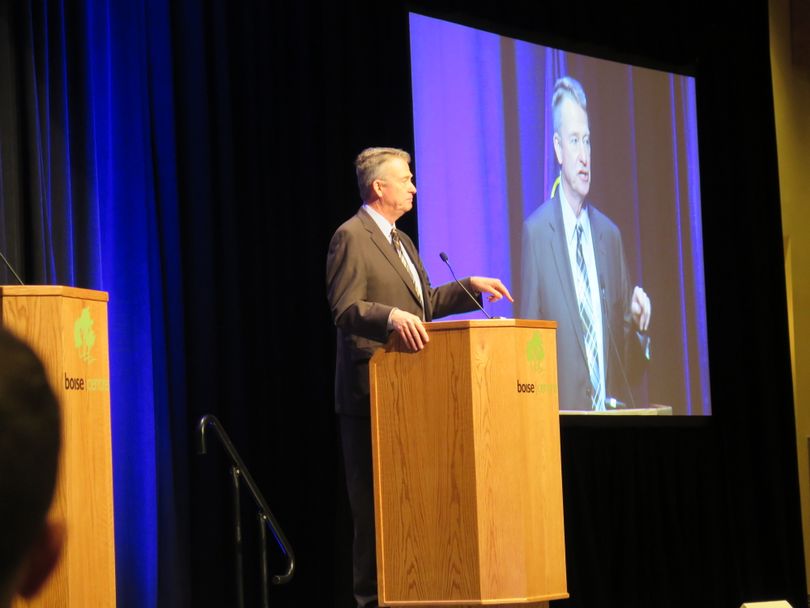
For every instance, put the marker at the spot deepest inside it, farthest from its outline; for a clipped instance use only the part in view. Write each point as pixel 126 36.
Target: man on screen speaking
pixel 573 271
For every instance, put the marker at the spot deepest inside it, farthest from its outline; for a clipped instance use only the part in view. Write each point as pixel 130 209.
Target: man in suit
pixel 29 449
pixel 573 271
pixel 376 284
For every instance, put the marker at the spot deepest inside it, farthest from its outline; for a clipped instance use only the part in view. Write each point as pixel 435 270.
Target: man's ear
pixel 376 187
pixel 42 558
pixel 558 148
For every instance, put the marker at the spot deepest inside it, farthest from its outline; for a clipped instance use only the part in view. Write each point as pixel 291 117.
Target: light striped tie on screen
pixel 586 314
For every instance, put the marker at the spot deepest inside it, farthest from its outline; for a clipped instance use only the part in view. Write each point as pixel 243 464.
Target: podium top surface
pixel 489 323
pixel 12 291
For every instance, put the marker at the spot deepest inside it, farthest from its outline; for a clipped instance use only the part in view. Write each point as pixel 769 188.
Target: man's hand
pixel 410 328
pixel 641 307
pixel 493 287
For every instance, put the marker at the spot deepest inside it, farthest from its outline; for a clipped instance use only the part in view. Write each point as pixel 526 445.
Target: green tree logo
pixel 83 335
pixel 535 353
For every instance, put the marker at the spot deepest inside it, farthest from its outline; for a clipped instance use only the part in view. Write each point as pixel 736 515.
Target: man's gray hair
pixel 369 167
pixel 566 88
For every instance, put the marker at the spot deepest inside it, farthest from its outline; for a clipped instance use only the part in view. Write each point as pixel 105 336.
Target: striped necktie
pixel 586 315
pixel 397 243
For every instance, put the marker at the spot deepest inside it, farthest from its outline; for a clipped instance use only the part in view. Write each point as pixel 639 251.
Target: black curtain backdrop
pixel 271 101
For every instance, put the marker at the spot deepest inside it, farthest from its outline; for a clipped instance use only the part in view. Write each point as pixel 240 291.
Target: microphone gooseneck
pixel 446 260
pixel 11 268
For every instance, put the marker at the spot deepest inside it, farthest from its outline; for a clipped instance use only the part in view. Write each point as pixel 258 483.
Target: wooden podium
pixel 67 327
pixel 466 455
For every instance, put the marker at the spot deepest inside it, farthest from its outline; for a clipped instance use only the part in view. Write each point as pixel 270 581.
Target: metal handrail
pixel 266 518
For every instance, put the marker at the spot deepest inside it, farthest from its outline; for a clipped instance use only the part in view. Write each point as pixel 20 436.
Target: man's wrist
pixel 390 325
pixel 644 340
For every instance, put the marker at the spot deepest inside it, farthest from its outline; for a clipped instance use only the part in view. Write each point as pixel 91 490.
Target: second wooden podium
pixel 67 327
pixel 467 479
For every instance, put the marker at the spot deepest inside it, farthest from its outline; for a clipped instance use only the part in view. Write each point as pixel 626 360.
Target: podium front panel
pixel 468 490
pixel 67 327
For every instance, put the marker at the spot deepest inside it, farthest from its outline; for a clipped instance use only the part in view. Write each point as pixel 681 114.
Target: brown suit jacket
pixel 365 280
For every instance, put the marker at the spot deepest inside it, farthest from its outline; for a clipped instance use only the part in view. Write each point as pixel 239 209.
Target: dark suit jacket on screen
pixel 548 292
pixel 365 281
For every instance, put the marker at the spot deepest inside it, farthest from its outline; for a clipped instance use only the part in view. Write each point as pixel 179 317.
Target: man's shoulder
pixel 601 222
pixel 544 213
pixel 355 225
pixel 354 222
pixel 348 239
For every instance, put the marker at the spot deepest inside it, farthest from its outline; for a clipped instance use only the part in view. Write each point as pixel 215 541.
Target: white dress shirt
pixel 570 222
pixel 385 227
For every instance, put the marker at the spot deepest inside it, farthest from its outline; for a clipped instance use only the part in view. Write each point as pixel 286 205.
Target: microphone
pixel 606 317
pixel 444 258
pixel 11 268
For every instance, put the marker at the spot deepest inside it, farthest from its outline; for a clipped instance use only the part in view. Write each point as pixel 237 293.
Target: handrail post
pixel 237 528
pixel 265 586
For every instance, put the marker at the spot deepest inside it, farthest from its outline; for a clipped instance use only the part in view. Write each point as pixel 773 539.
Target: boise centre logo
pixel 84 338
pixel 535 353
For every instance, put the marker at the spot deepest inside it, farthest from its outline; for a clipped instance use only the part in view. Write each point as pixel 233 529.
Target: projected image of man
pixel 573 271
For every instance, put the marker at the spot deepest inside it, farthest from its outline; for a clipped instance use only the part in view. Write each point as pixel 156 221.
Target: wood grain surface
pixel 46 317
pixel 468 488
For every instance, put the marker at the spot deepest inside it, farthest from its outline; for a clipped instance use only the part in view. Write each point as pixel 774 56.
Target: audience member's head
pixel 29 450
